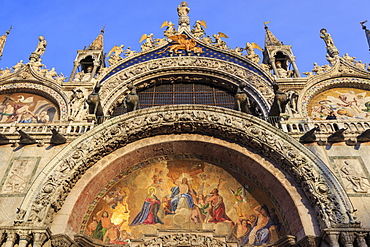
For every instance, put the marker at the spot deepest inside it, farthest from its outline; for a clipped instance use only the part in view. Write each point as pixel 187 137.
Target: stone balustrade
pixel 301 125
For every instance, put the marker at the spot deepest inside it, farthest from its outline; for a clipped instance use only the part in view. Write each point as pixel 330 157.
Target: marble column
pixel 11 237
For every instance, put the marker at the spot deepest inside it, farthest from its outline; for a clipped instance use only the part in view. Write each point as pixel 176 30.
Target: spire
pixel 2 41
pixel 279 57
pixel 270 39
pixel 98 43
pixel 367 32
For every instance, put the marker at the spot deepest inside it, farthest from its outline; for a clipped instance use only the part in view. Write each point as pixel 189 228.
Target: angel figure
pixel 148 43
pixel 240 197
pixel 170 30
pixel 198 30
pixel 218 41
pixel 128 52
pixel 249 47
pixel 114 54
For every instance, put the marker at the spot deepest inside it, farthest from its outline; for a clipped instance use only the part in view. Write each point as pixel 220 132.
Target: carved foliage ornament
pixel 332 204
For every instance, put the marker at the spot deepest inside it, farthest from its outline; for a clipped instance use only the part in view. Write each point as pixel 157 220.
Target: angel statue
pixel 170 30
pixel 128 52
pixel 219 42
pixel 114 54
pixel 198 30
pixel 249 47
pixel 148 43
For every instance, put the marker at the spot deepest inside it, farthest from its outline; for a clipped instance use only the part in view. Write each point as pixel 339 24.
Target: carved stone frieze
pixel 116 85
pixel 62 173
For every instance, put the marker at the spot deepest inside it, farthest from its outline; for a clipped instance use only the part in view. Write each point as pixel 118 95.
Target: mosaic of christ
pixel 183 194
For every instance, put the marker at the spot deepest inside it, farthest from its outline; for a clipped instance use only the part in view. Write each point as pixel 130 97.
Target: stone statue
pixel 18 65
pixel 281 72
pixel 41 47
pixel 78 106
pixel 280 101
pixel 249 47
pixel 241 100
pixel 183 11
pixel 219 42
pixel 170 30
pixel 317 69
pixel 330 59
pixel 95 107
pixel 148 43
pixel 128 52
pixel 330 47
pixel 51 74
pixel 348 58
pixel 198 30
pixel 293 101
pixel 131 101
pixel 114 55
pixel 360 65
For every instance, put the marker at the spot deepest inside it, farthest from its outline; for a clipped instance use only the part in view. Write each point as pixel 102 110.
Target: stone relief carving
pixel 18 175
pixel 78 105
pixel 320 190
pixel 183 239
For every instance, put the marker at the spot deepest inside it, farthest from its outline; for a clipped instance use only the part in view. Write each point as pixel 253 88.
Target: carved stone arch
pixel 319 184
pixel 55 96
pixel 114 87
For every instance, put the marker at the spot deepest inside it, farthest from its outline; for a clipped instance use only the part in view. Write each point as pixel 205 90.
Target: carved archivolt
pixel 115 85
pixel 48 193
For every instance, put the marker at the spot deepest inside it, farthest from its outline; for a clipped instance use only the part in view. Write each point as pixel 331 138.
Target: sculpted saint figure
pixel 327 38
pixel 183 9
pixel 41 47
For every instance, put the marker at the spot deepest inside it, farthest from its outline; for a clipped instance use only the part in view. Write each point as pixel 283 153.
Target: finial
pixel 10 29
pixel 102 31
pixel 265 23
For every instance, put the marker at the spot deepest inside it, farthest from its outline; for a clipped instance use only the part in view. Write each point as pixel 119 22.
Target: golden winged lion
pixel 183 43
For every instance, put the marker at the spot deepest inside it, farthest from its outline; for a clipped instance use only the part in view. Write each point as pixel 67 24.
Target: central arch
pixel 230 131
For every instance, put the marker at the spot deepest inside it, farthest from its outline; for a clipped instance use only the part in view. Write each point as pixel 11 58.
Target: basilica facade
pixel 187 142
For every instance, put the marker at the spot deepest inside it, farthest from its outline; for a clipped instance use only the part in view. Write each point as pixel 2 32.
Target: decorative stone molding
pixel 49 192
pixel 115 86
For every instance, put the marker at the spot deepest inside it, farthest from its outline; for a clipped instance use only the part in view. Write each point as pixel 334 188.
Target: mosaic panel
pixel 183 193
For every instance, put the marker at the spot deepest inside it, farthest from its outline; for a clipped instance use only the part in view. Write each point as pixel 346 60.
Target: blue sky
pixel 70 25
